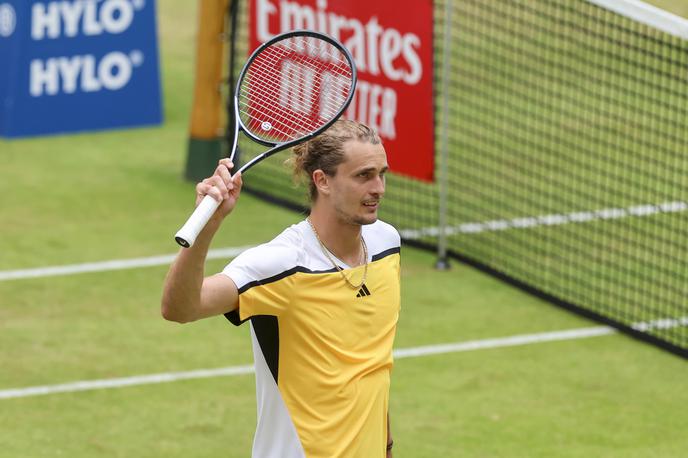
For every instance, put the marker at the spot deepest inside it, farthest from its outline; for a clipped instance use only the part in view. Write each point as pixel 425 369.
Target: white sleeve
pixel 265 261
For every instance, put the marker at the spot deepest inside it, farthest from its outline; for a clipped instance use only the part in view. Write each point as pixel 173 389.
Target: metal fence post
pixel 442 259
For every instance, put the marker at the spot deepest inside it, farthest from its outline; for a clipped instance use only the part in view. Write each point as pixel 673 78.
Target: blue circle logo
pixel 8 20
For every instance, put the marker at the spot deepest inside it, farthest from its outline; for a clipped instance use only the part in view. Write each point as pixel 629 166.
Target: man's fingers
pixel 227 163
pixel 223 168
pixel 221 184
pixel 235 185
pixel 213 187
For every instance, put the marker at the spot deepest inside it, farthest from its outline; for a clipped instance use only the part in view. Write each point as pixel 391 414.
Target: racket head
pixel 293 87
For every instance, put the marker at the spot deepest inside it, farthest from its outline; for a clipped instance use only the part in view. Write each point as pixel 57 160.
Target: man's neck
pixel 341 238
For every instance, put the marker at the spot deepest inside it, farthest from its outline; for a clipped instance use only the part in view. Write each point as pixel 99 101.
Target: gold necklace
pixel 336 266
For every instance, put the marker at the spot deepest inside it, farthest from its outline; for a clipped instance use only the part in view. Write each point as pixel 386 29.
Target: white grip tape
pixel 186 236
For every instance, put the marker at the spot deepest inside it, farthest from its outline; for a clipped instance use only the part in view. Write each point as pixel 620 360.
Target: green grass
pixel 113 195
pixel 606 396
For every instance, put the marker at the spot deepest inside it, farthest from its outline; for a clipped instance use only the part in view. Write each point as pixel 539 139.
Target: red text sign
pixel 391 43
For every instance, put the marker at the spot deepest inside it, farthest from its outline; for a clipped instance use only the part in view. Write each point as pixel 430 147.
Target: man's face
pixel 359 184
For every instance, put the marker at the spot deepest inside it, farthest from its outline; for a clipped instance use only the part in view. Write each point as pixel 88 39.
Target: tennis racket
pixel 292 88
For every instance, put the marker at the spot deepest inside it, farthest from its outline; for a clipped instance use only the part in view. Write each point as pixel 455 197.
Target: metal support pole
pixel 442 259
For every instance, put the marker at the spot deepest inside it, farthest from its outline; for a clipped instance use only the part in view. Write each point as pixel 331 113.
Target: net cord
pixel 647 14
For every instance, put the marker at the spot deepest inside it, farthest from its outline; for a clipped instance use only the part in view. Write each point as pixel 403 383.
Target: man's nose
pixel 379 185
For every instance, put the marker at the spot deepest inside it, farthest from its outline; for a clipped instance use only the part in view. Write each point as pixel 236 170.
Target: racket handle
pixel 186 236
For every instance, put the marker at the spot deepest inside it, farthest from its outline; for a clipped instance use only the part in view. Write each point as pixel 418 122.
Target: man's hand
pixel 221 186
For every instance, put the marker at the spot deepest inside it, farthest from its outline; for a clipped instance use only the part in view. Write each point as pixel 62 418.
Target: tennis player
pixel 322 299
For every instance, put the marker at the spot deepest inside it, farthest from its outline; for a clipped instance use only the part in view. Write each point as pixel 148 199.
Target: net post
pixel 442 259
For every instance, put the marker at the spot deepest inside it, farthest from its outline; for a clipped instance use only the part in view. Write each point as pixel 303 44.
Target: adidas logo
pixel 363 291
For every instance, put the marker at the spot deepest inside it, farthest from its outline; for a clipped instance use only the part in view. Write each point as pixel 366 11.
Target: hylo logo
pixel 84 73
pixel 8 20
pixel 89 17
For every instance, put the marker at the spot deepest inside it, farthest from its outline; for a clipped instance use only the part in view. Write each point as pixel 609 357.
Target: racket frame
pixel 279 146
pixel 186 236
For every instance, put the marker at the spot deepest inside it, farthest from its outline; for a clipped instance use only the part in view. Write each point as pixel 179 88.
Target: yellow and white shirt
pixel 322 350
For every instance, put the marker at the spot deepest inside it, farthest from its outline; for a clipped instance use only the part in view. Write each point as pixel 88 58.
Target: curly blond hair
pixel 326 151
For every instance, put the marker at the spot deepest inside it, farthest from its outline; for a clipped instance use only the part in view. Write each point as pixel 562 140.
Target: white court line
pixel 511 341
pixel 88 385
pixel 116 264
pixel 555 219
pixel 526 222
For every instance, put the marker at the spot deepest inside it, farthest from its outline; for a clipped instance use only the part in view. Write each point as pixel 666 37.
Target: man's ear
pixel 321 181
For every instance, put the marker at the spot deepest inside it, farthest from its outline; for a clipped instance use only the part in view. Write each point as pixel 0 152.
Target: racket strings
pixel 269 110
pixel 327 109
pixel 277 55
pixel 341 65
pixel 269 114
pixel 294 87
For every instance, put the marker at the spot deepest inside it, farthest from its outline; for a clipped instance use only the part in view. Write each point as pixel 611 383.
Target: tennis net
pixel 566 156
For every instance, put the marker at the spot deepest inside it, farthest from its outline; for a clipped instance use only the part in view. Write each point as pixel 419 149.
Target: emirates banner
pixel 392 46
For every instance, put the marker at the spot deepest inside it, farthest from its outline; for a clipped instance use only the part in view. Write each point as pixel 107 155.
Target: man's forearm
pixel 182 289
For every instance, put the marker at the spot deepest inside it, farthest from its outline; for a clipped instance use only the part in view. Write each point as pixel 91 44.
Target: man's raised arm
pixel 187 294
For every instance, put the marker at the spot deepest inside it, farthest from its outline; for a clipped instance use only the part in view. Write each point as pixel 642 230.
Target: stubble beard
pixel 355 220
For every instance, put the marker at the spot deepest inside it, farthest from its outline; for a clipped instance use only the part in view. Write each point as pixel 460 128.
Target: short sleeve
pixel 382 239
pixel 262 276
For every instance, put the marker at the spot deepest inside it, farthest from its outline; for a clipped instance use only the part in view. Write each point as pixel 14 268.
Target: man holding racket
pixel 322 300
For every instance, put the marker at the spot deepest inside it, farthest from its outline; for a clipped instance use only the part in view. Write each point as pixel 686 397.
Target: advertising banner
pixel 392 45
pixel 77 65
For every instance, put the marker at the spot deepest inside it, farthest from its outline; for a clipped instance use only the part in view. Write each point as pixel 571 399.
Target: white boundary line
pixel 556 219
pixel 647 14
pixel 525 222
pixel 116 264
pixel 512 341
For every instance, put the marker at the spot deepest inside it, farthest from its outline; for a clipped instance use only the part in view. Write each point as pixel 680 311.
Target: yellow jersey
pixel 322 350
